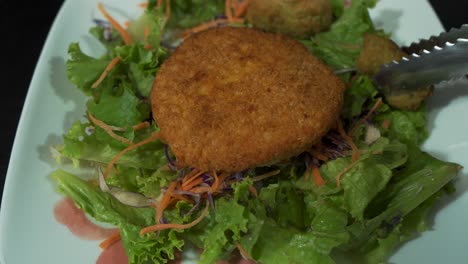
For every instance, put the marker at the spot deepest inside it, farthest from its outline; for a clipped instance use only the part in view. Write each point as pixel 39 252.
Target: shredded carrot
pixel 146 32
pixel 159 227
pixel 143 5
pixel 123 33
pixel 349 140
pixel 110 240
pixel 216 180
pixel 160 3
pixel 179 197
pixel 202 27
pixel 217 184
pixel 339 175
pixel 192 184
pixel 127 149
pixel 141 125
pixel 108 68
pixel 228 10
pixel 202 189
pixel 166 199
pixel 318 180
pixel 168 10
pixel 192 174
pixel 208 25
pixel 234 4
pixel 239 11
pixel 108 129
pixel 377 104
pixel 253 190
pixel 242 251
pixel 191 178
pixel 266 175
pixel 126 23
pixel 319 155
pixel 386 124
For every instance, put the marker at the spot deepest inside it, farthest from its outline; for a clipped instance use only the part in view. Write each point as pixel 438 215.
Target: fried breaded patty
pixel 229 99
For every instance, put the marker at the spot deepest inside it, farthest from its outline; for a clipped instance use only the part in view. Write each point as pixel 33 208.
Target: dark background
pixel 24 27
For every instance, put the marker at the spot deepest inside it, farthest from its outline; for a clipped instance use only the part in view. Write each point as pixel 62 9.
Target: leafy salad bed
pixel 382 197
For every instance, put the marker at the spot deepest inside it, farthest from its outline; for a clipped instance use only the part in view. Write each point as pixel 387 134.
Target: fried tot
pixel 229 99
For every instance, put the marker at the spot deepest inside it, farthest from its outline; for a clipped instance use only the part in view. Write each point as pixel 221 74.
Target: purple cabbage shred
pixel 170 162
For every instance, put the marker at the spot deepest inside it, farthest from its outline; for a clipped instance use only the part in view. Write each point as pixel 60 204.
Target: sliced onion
pixel 372 134
pixel 128 198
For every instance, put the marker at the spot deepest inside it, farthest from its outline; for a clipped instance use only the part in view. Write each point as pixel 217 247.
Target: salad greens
pixel 382 200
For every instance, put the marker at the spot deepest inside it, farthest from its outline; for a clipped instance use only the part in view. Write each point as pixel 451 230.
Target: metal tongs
pixel 439 58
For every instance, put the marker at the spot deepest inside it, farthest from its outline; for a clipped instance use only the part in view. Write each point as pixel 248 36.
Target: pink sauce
pixel 114 254
pixel 75 220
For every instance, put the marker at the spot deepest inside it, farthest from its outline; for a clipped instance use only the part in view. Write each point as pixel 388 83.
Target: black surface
pixel 24 27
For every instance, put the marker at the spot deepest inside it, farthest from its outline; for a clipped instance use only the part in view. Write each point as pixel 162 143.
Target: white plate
pixel 28 230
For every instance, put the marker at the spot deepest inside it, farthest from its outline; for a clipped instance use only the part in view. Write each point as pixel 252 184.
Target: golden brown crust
pixel 297 18
pixel 233 98
pixel 377 51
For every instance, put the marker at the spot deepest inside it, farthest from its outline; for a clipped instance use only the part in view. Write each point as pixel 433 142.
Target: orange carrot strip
pixel 192 178
pixel 339 175
pixel 216 180
pixel 127 24
pixel 162 205
pixel 146 32
pixel 123 33
pixel 242 251
pixel 377 104
pixel 234 3
pixel 241 8
pixel 202 189
pixel 253 190
pixel 192 184
pixel 159 227
pixel 143 5
pixel 110 240
pixel 168 10
pixel 319 181
pixel 218 184
pixel 207 25
pixel 190 175
pixel 386 124
pixel 181 198
pixel 228 10
pixel 108 68
pixel 349 140
pixel 160 3
pixel 318 155
pixel 108 130
pixel 127 149
pixel 141 125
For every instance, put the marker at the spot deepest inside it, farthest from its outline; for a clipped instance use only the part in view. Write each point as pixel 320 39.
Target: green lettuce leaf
pixel 406 126
pixel 227 223
pixel 187 14
pixel 83 70
pixel 79 145
pixel 103 207
pixel 360 92
pixel 340 46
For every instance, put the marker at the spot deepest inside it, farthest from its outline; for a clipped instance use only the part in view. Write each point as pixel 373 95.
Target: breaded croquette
pixel 229 99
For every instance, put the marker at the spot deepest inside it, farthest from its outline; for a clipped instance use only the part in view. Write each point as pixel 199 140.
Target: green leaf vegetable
pixel 383 198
